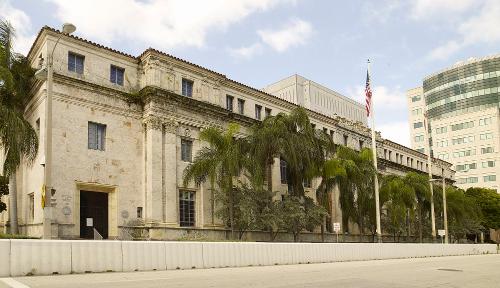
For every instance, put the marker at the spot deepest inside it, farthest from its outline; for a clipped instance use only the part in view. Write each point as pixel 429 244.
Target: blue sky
pixel 258 42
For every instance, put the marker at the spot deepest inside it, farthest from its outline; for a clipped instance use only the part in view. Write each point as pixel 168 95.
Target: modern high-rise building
pixel 318 98
pixel 462 103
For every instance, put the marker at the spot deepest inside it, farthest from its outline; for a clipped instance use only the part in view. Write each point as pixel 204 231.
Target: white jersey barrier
pixel 45 257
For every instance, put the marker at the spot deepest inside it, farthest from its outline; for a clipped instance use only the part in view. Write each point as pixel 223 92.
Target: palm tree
pixel 356 188
pixel 398 198
pixel 420 184
pixel 18 139
pixel 218 162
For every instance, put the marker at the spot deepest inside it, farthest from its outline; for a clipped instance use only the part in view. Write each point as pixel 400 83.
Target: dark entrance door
pixel 93 205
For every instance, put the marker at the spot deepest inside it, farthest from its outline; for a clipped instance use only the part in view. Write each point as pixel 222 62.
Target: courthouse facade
pixel 116 160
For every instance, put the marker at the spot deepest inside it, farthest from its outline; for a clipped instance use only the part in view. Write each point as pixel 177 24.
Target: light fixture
pixel 68 28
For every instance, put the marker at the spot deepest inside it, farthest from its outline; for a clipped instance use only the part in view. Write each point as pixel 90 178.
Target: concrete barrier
pixel 42 257
pixel 5 256
pixel 144 256
pixel 39 257
pixel 96 256
pixel 184 255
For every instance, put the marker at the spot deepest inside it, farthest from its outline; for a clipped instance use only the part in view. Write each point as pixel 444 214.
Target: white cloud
pixel 22 25
pixel 475 22
pixel 295 32
pixel 444 51
pixel 398 132
pixel 246 52
pixel 164 24
pixel 422 9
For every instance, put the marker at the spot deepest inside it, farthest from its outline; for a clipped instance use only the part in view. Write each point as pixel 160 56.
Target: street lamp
pixel 47 74
pixel 445 214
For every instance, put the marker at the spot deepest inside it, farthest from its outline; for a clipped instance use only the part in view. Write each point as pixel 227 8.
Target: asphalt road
pixel 458 271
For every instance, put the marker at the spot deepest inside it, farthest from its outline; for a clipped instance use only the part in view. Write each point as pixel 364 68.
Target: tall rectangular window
pixel 241 106
pixel 186 208
pixel 283 171
pixel 32 206
pixel 75 62
pixel 116 75
pixel 346 140
pixel 187 87
pixel 186 150
pixel 97 136
pixel 229 102
pixel 268 112
pixel 258 112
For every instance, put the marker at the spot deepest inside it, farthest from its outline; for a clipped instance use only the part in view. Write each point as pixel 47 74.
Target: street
pixel 458 271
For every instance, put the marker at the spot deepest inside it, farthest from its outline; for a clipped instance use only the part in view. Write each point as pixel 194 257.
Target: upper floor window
pixel 346 140
pixel 486 150
pixel 241 106
pixel 116 75
pixel 417 111
pixel 186 150
pixel 416 98
pixel 97 136
pixel 229 102
pixel 487 164
pixel 268 112
pixel 187 87
pixel 490 178
pixel 75 62
pixel 419 138
pixel 418 125
pixel 258 112
pixel 485 121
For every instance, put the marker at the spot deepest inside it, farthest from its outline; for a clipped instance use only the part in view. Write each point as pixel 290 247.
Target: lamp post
pixel 47 210
pixel 445 214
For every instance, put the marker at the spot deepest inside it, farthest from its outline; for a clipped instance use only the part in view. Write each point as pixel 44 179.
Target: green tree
pixel 18 139
pixel 420 184
pixel 488 201
pixel 357 188
pixel 300 214
pixel 398 198
pixel 218 163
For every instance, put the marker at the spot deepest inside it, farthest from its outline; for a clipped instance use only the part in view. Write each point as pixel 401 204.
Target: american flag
pixel 368 93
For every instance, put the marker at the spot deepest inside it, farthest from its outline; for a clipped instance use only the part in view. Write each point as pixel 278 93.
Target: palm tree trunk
pixel 14 229
pixel 420 224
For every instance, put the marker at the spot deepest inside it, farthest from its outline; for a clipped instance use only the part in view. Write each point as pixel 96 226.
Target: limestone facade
pixel 141 164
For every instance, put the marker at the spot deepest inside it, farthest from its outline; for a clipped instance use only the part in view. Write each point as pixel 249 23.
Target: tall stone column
pixel 170 181
pixel 154 211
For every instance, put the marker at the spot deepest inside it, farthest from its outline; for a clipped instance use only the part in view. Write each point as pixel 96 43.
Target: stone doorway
pixel 93 214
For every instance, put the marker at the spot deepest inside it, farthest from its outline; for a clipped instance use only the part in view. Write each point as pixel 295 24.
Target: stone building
pixel 116 160
pixel 318 98
pixel 462 103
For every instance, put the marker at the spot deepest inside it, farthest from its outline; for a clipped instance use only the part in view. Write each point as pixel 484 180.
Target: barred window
pixel 283 171
pixel 186 208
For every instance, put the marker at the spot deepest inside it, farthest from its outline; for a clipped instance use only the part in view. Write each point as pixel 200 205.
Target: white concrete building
pixel 117 159
pixel 463 110
pixel 318 98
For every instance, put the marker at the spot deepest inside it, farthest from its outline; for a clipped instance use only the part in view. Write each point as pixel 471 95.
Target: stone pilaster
pixel 153 179
pixel 170 172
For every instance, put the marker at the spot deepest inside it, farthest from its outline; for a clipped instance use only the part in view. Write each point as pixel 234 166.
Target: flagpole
pixel 429 165
pixel 374 150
